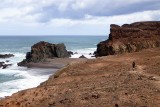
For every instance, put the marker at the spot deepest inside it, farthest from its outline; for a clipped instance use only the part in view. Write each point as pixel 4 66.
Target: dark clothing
pixel 133 65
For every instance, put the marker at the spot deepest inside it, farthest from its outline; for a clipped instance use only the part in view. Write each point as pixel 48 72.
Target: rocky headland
pixel 130 38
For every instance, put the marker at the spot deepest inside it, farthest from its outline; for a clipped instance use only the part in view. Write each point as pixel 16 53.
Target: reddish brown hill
pixel 130 38
pixel 102 82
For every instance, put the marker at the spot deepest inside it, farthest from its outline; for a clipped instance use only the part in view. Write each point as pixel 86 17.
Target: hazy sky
pixel 72 17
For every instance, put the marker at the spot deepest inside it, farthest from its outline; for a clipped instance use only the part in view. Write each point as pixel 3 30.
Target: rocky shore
pixel 108 81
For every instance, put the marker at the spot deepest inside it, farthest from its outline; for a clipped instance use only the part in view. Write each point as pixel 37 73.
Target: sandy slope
pixel 103 82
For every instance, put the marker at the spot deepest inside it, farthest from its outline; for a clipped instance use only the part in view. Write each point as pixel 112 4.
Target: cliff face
pixel 130 38
pixel 43 50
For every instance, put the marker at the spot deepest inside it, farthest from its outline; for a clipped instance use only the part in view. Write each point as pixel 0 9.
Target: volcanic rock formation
pixel 130 38
pixel 6 55
pixel 43 50
pixel 3 65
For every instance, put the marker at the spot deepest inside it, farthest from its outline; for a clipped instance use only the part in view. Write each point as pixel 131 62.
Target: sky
pixel 72 17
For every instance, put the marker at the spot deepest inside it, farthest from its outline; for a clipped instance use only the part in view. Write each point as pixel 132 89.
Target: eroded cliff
pixel 130 38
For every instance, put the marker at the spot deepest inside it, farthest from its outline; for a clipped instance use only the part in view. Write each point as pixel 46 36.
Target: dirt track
pixel 103 82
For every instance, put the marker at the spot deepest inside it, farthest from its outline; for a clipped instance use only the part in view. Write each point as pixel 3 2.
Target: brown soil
pixel 103 82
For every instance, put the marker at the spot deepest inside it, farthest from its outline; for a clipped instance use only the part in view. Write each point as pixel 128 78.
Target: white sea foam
pixel 16 78
pixel 24 78
pixel 21 77
pixel 86 52
pixel 10 87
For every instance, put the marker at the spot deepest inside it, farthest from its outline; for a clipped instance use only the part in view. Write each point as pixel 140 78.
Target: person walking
pixel 133 65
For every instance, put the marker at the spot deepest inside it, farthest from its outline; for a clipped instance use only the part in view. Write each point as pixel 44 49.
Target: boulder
pixel 90 53
pixel 6 65
pixel 7 60
pixel 6 55
pixel 3 65
pixel 82 56
pixel 130 38
pixel 44 50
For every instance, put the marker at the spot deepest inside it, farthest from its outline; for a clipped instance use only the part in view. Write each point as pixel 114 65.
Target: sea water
pixel 14 78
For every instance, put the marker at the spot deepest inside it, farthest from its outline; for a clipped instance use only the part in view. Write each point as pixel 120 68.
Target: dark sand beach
pixel 55 63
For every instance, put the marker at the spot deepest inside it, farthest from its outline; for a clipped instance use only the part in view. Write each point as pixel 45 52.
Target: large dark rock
pixel 44 50
pixel 6 55
pixel 130 38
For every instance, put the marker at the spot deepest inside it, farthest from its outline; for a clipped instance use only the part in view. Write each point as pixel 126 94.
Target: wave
pixel 10 87
pixel 16 78
pixel 87 52
pixel 20 78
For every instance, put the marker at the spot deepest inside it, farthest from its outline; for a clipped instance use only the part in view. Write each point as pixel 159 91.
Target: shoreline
pixel 97 81
pixel 55 63
pixel 41 70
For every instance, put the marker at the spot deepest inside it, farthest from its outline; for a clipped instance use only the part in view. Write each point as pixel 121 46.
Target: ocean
pixel 14 78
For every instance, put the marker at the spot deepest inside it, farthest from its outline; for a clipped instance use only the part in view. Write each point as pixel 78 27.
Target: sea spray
pixel 16 78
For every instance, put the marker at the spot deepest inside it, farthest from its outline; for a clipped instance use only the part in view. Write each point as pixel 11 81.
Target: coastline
pixel 96 81
pixel 39 72
pixel 93 82
pixel 12 78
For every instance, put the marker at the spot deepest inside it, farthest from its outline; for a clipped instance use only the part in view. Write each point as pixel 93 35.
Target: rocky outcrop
pixel 3 65
pixel 130 38
pixel 70 52
pixel 43 50
pixel 6 55
pixel 82 56
pixel 6 66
